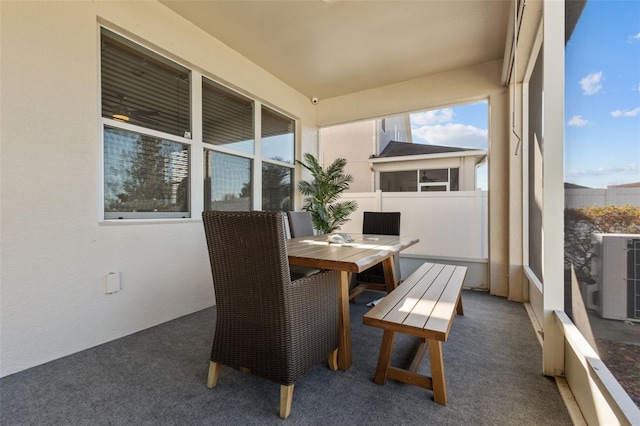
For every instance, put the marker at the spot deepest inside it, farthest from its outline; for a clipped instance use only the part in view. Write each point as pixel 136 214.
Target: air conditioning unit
pixel 590 295
pixel 616 269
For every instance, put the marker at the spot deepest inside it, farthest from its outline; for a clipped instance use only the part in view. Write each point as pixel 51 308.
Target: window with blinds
pixel 278 153
pixel 147 114
pixel 227 118
pixel 142 88
pixel 277 136
pixel 148 141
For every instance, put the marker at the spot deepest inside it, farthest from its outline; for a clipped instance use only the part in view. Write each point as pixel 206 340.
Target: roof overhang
pixel 481 154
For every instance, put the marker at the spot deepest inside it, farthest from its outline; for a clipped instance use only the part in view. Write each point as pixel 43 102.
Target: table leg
pixel 344 348
pixel 390 276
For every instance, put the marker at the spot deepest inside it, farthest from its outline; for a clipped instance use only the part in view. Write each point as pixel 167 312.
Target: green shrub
pixel 581 224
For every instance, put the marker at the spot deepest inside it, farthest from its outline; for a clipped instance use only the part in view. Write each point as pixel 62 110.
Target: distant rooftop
pixel 568 185
pixel 401 149
pixel 628 185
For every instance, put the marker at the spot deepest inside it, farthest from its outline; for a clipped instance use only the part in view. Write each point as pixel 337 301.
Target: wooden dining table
pixel 347 258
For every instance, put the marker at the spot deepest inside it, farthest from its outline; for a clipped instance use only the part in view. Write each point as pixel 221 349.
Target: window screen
pixel 277 190
pixel 228 182
pixel 144 174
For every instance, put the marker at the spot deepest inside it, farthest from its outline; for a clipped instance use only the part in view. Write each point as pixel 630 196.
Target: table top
pixel 363 252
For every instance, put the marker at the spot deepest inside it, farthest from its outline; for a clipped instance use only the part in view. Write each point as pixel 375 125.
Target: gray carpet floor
pixel 158 377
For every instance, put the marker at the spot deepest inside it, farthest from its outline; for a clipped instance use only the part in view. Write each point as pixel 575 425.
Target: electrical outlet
pixel 112 282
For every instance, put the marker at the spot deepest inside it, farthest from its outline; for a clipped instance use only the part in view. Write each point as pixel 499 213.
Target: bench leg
pixel 459 309
pixel 437 372
pixel 385 357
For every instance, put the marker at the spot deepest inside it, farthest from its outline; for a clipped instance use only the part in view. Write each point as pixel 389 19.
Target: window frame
pixel 420 185
pixel 193 139
pixel 115 124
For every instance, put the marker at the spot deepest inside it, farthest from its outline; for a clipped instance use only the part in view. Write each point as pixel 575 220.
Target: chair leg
pixel 214 373
pixel 333 360
pixel 286 397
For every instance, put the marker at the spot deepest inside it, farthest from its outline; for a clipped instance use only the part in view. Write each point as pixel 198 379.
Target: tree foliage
pixel 322 194
pixel 276 187
pixel 581 224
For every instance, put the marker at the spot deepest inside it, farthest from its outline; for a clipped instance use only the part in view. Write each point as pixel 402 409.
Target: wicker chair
pixel 300 224
pixel 267 324
pixel 381 223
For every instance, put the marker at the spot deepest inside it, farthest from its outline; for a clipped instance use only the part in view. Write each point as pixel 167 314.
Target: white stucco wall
pixel 54 250
pixel 355 142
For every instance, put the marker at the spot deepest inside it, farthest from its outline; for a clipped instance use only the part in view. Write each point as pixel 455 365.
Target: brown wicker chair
pixel 267 324
pixel 300 224
pixel 381 223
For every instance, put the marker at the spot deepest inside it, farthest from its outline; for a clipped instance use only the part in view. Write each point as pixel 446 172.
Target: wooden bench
pixel 424 306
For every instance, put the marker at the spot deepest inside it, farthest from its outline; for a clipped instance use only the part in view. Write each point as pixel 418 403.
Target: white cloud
pixel 577 121
pixel 450 134
pixel 624 169
pixel 604 176
pixel 434 116
pixel 634 37
pixel 626 113
pixel 591 84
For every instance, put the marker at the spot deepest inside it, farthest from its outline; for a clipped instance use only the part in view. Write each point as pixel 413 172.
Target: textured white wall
pixel 54 251
pixel 354 142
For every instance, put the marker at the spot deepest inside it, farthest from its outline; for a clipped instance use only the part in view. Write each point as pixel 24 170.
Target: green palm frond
pixel 323 191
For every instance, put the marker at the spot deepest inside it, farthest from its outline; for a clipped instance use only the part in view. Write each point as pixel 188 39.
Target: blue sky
pixel 602 102
pixel 602 95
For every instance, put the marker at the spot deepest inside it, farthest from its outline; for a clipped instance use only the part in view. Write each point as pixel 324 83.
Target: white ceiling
pixel 330 48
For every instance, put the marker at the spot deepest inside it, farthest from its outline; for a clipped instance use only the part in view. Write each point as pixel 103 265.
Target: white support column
pixel 553 186
pixel 257 163
pixel 517 140
pixel 196 190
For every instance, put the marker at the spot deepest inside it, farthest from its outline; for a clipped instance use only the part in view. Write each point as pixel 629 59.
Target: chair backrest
pixel 249 264
pixel 300 224
pixel 382 223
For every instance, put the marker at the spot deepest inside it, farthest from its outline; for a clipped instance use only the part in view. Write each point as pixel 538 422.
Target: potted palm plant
pixel 321 194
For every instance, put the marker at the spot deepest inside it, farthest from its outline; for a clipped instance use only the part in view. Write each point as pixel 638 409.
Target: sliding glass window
pixel 149 146
pixel 146 120
pixel 278 151
pixel 227 125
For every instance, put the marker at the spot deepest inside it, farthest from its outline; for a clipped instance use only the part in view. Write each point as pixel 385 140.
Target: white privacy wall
pixel 449 225
pixel 54 250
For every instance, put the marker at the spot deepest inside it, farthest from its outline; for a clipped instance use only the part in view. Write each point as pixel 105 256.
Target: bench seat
pixel 423 306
